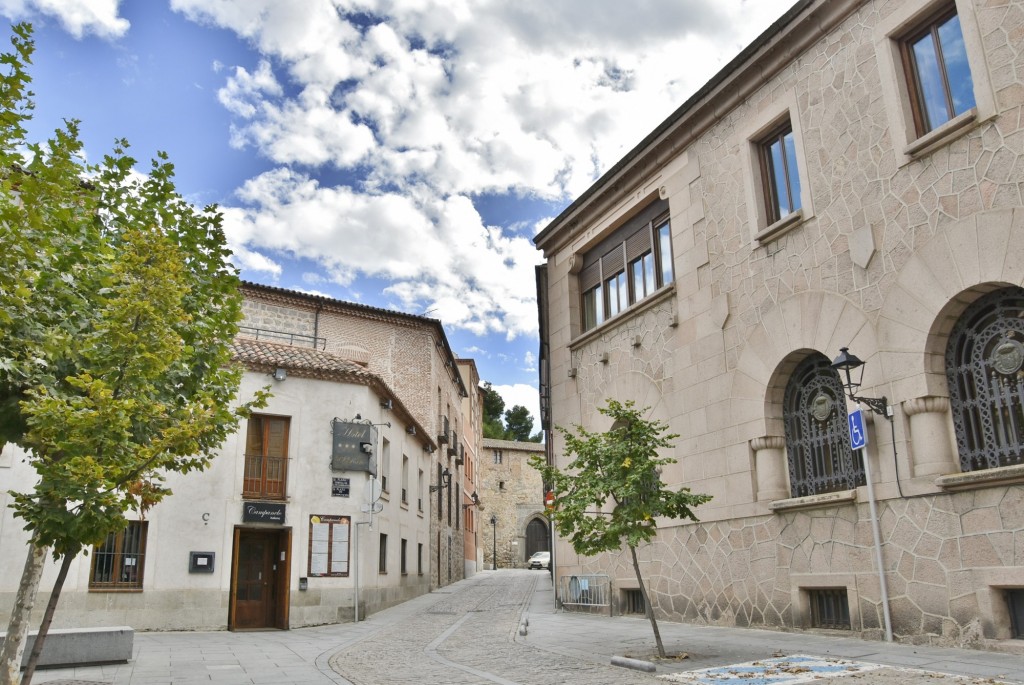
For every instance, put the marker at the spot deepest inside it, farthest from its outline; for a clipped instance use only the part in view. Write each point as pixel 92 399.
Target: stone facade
pixel 472 419
pixel 897 235
pixel 512 491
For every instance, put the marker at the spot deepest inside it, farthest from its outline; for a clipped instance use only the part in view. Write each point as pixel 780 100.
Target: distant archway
pixel 536 537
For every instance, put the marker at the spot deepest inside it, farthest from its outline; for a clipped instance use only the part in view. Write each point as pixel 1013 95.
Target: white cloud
pixel 78 17
pixel 424 105
pixel 437 253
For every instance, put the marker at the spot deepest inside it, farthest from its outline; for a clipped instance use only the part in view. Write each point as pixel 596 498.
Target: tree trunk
pixel 21 614
pixel 647 604
pixel 44 627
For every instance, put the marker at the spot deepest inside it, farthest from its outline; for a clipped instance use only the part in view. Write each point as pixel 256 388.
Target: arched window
pixel 984 357
pixel 817 435
pixel 536 537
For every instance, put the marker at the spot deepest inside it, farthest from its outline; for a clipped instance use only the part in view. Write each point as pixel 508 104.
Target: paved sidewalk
pixel 312 656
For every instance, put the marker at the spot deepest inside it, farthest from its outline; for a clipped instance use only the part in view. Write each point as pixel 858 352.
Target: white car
pixel 540 560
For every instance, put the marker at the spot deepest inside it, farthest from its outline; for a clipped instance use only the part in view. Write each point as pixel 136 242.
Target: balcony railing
pixel 265 477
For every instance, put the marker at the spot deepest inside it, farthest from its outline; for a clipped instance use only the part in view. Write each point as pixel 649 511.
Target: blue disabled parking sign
pixel 858 436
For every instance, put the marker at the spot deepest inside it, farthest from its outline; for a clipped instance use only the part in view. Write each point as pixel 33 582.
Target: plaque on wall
pixel 340 487
pixel 262 512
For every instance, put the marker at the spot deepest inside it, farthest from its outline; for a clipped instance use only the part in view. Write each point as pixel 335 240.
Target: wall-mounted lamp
pixel 280 374
pixel 846 363
pixel 386 403
pixel 411 430
pixel 446 481
pixel 476 501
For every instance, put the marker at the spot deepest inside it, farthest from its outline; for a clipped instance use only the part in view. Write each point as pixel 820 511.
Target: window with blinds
pixel 627 267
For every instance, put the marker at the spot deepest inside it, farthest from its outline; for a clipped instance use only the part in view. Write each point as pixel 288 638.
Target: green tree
pixel 117 308
pixel 519 424
pixel 612 494
pixel 494 405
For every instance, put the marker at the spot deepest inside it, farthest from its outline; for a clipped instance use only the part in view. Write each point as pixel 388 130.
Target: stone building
pixel 512 522
pixel 853 179
pixel 320 506
pixel 472 419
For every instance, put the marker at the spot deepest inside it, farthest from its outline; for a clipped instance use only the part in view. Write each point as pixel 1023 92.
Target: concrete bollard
pixel 635 664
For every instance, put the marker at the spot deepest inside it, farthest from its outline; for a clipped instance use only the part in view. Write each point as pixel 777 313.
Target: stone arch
pixel 533 543
pixel 964 260
pixel 806 322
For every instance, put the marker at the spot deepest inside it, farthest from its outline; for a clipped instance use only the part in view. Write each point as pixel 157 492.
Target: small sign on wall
pixel 340 487
pixel 200 562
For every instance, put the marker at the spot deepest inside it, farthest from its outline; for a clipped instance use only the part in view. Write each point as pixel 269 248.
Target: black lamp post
pixel 494 546
pixel 845 363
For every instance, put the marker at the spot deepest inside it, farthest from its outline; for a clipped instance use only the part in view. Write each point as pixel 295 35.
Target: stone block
pixel 82 646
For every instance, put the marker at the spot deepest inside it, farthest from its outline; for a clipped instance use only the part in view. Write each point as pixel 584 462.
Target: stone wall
pixel 512 491
pixel 895 238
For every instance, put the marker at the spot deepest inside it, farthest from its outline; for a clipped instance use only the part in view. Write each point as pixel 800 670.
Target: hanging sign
pixel 353 446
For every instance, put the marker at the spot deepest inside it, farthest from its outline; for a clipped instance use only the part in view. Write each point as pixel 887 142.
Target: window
pixel 501 485
pixel 328 545
pixel 440 494
pixel 817 435
pixel 405 545
pixel 497 456
pixel 385 464
pixel 1015 603
pixel 458 506
pixel 382 563
pixel 405 479
pixel 118 563
pixel 266 457
pixel 419 558
pixel 627 267
pixel 984 360
pixel 779 173
pixel 419 492
pixel 830 608
pixel 633 602
pixel 937 72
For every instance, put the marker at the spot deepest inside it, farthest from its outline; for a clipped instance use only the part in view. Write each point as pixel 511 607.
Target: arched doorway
pixel 537 538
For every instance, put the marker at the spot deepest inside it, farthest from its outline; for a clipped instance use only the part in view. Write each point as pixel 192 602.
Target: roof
pixel 376 313
pixel 514 445
pixel 769 52
pixel 305 362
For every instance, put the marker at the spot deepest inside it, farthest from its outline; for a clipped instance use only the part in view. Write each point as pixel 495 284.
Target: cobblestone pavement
pixel 469 632
pixel 469 637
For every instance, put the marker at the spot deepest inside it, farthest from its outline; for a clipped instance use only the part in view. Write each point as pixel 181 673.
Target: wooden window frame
pixel 606 280
pixel 928 26
pixel 117 561
pixel 259 487
pixel 382 560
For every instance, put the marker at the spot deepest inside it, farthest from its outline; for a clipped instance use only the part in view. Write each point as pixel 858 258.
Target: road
pixel 468 637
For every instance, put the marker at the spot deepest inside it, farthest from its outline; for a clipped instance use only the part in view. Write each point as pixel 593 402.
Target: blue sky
pixel 398 153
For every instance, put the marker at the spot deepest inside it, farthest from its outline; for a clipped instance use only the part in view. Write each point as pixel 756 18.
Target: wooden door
pixel 256 583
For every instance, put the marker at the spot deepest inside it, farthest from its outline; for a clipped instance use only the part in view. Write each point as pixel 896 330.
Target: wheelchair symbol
pixel 858 436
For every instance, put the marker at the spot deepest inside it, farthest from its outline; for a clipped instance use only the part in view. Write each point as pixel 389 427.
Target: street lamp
pixel 846 363
pixel 494 545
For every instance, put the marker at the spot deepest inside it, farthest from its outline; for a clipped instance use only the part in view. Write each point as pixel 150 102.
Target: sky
pixel 396 153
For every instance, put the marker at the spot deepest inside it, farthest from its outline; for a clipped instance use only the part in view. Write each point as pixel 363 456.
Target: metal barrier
pixel 586 593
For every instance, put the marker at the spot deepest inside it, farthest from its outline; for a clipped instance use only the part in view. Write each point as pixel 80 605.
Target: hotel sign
pixel 354 446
